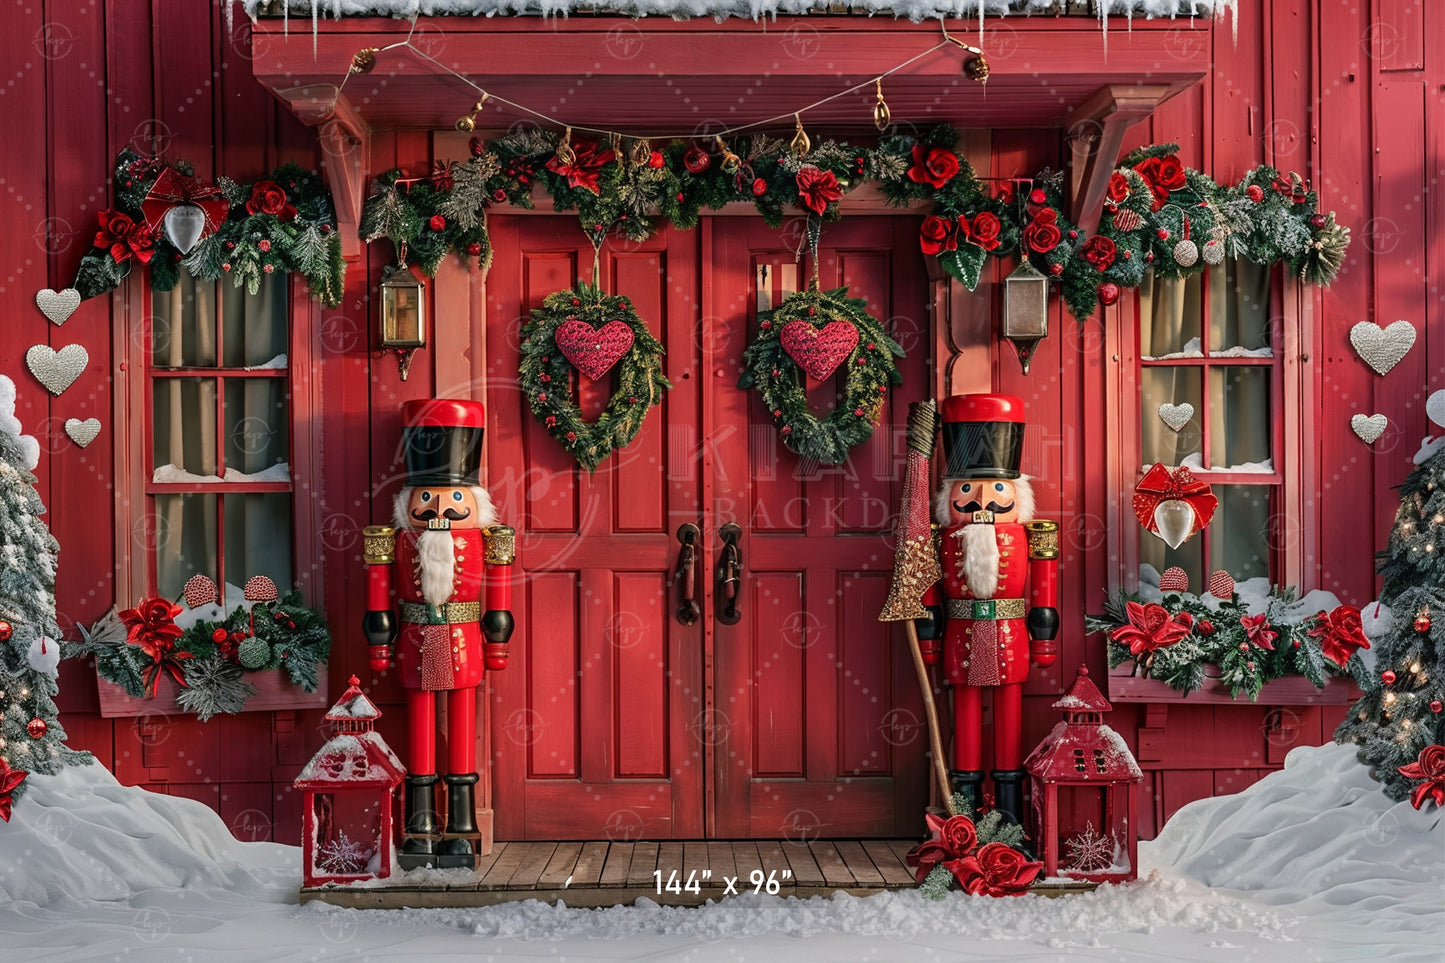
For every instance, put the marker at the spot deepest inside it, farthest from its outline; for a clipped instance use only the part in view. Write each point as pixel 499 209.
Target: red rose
pixel 1205 627
pixel 952 839
pixel 123 237
pixel 267 197
pixel 1118 187
pixel 934 166
pixel 1430 766
pixel 1170 173
pixel 996 870
pixel 1047 216
pixel 655 159
pixel 817 188
pixel 1258 631
pixel 959 834
pixel 1099 251
pixel 1149 170
pixel 985 229
pixel 1150 627
pixel 1340 633
pixel 437 223
pixel 937 235
pixel 1042 236
pixel 696 160
pixel 1254 192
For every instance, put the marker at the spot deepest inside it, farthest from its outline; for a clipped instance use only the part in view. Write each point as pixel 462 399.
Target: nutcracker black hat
pixel 442 441
pixel 983 436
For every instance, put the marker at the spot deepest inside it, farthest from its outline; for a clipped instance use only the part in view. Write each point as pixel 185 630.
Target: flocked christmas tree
pixel 31 738
pixel 1399 719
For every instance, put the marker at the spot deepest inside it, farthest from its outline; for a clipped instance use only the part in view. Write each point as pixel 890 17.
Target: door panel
pixel 592 716
pixel 825 736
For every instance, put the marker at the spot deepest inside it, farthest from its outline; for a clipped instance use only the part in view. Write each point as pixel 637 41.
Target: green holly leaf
pixel 965 264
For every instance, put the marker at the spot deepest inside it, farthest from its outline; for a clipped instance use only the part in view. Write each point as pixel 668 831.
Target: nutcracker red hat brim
pixel 983 435
pixel 443 413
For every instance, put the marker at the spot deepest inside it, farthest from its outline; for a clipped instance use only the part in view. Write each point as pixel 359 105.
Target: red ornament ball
pixel 1318 221
pixel 1205 627
pixel 37 728
pixel 1056 269
pixel 1108 293
pixel 474 249
pixel 6 630
pixel 1422 623
pixel 1387 677
pixel 655 159
pixel 1037 196
pixel 1163 234
pixel 1436 706
pixel 1255 193
pixel 760 187
pixel 1073 234
pixel 437 222
pixel 219 635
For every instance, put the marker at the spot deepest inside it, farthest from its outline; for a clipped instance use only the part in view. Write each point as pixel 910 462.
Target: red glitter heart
pixel 593 351
pixel 819 351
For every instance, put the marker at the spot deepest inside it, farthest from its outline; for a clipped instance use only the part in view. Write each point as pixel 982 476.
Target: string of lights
pixel 975 67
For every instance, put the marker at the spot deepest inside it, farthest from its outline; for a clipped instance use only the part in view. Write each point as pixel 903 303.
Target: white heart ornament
pixel 1369 428
pixel 1382 349
pixel 58 306
pixel 82 432
pixel 1435 408
pixel 1176 416
pixel 1174 521
pixel 184 224
pixel 57 370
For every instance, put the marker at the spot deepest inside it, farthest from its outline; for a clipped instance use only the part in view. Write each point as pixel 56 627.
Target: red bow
pixel 1159 484
pixel 173 188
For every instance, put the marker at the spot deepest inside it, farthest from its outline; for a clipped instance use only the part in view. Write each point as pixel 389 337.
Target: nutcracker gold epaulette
pixel 378 545
pixel 501 544
pixel 1043 538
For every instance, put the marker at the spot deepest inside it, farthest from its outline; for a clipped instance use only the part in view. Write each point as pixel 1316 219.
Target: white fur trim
pixel 980 559
pixel 1023 499
pixel 437 559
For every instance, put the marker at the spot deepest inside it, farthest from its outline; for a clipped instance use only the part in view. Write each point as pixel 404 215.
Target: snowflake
pixel 342 856
pixel 1089 851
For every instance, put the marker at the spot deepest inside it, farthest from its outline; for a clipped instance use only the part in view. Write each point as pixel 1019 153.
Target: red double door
pixel 787 710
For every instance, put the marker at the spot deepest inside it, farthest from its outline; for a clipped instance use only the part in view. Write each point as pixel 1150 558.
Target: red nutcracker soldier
pixel 445 550
pixel 997 593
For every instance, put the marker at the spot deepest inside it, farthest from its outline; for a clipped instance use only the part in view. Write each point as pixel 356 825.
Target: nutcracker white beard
pixel 979 559
pixel 436 556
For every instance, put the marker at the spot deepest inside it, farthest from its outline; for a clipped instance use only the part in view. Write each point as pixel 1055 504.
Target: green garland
pixel 631 187
pixel 1217 635
pixel 779 380
pixel 301 236
pixel 546 375
pixel 287 635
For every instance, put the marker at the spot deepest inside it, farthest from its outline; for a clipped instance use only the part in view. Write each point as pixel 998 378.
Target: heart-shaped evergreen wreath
pixel 546 373
pixel 768 367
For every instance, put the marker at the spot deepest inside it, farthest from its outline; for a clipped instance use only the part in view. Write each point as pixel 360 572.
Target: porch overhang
pixel 661 78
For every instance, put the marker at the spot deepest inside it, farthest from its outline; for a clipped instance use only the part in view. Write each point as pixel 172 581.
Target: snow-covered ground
pixel 1312 863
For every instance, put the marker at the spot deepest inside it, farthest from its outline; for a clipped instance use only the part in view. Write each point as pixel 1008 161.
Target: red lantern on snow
pixel 348 797
pixel 1085 792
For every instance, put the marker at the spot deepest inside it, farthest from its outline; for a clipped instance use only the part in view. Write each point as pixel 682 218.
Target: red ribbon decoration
pixel 173 188
pixel 1159 484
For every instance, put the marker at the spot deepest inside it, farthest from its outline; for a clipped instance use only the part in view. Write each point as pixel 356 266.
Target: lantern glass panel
pixel 348 833
pixel 403 312
pixel 1026 303
pixel 1093 831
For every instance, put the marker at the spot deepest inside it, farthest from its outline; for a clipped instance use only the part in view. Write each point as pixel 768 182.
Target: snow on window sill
pixel 171 475
pixel 1194 461
pixel 277 363
pixel 1194 349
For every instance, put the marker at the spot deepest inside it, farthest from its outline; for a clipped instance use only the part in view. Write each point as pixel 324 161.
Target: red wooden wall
pixel 1349 92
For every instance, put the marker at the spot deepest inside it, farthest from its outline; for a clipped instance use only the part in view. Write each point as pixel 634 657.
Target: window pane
pixel 1170 385
pixel 254 326
pixel 1155 553
pixel 183 428
pixel 1239 322
pixel 183 324
pixel 1169 317
pixel 1239 534
pixel 258 538
pixel 185 528
pixel 1240 418
pixel 256 425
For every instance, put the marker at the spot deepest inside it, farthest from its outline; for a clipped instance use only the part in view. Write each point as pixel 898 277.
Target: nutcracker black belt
pixel 448 613
pixel 985 610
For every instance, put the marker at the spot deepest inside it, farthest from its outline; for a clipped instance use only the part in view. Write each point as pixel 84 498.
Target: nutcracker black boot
pixel 418 843
pixel 1008 790
pixel 969 782
pixel 456 847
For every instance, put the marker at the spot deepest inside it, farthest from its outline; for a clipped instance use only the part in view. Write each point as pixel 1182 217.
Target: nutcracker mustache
pixel 968 508
pixel 427 514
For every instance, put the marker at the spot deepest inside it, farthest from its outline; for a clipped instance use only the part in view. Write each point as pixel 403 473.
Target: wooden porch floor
pixel 611 874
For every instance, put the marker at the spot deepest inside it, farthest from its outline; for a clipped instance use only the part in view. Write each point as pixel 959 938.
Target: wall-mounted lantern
pixel 1025 310
pixel 403 314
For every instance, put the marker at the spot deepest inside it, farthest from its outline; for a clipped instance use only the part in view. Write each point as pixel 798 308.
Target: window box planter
pixel 274 690
pixel 1289 691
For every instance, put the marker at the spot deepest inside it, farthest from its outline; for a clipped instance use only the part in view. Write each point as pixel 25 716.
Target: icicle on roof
pixel 1083 696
